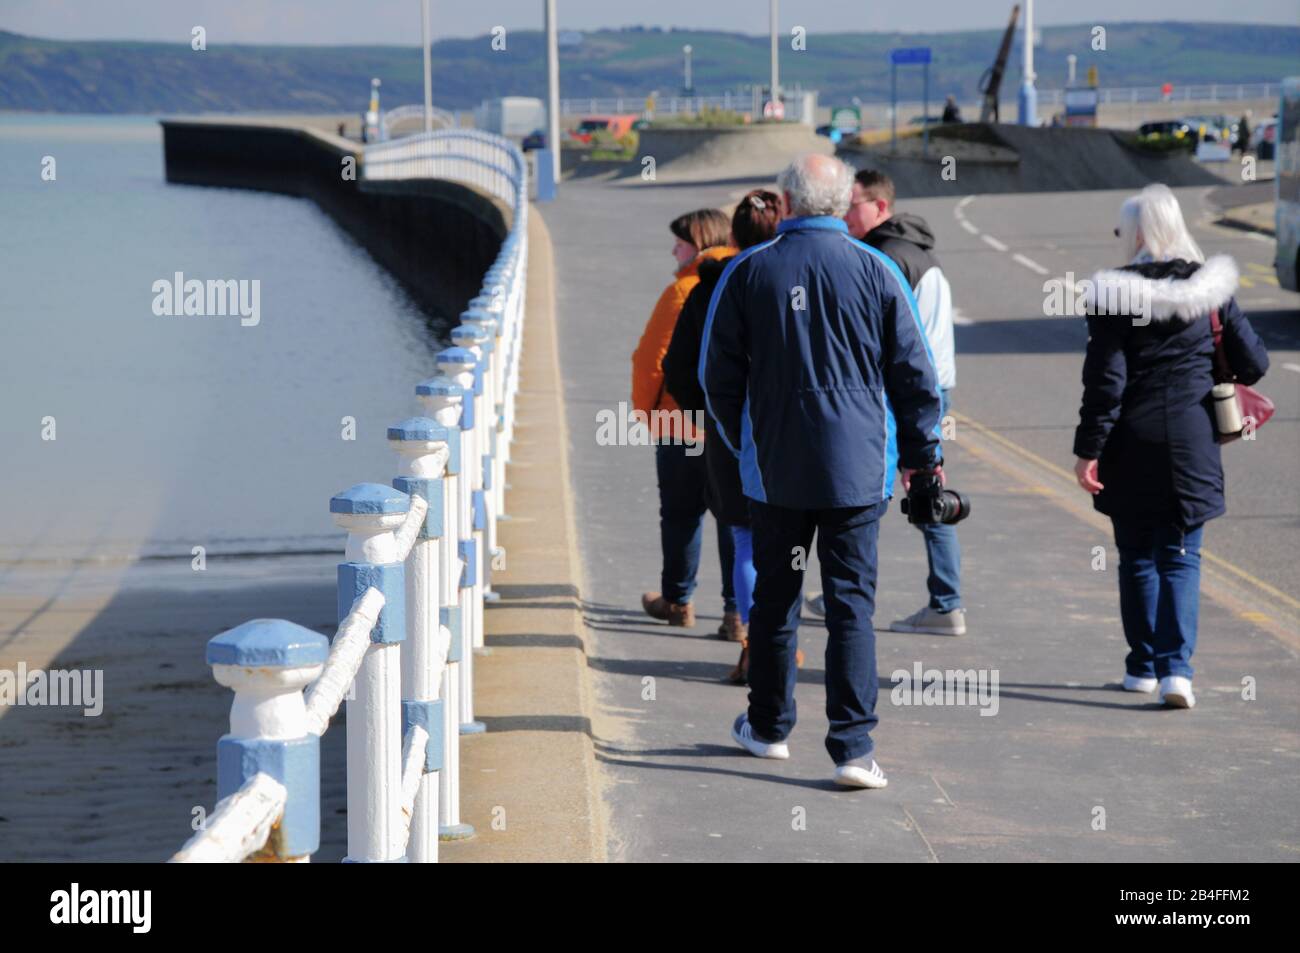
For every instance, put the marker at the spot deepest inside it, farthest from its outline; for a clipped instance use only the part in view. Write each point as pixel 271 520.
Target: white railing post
pixel 268 662
pixel 442 400
pixel 421 445
pixel 473 339
pixel 488 324
pixel 370 512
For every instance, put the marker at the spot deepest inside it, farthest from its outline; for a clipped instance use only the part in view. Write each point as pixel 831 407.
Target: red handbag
pixel 1254 409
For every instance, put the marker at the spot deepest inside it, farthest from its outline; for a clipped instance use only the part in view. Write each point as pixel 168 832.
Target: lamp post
pixel 776 73
pixel 428 66
pixel 686 69
pixel 1028 95
pixel 553 89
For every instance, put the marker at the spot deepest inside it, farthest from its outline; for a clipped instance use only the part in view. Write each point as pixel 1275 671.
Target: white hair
pixel 1151 227
pixel 817 185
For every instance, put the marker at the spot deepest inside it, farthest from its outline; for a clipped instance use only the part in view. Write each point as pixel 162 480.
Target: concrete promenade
pixel 1066 751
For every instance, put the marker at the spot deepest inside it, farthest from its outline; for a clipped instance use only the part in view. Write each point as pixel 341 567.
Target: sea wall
pixel 992 159
pixel 436 237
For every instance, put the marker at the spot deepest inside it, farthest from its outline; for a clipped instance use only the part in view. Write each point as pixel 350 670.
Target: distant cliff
pixel 130 77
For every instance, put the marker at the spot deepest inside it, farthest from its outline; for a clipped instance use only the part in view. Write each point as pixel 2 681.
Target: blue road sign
pixel 910 54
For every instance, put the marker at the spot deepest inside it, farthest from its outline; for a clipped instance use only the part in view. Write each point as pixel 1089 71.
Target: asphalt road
pixel 1064 748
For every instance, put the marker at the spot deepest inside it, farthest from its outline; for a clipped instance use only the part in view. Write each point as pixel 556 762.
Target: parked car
pixel 1263 138
pixel 534 140
pixel 1178 128
pixel 1210 128
pixel 616 126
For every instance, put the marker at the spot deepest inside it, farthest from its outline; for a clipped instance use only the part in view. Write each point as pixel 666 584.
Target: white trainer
pixel 743 735
pixel 1134 684
pixel 860 773
pixel 1176 692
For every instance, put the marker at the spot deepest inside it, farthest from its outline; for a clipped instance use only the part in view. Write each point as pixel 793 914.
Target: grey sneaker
pixel 860 773
pixel 743 735
pixel 932 622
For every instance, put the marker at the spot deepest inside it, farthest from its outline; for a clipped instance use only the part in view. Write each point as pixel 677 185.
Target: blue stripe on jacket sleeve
pixel 702 369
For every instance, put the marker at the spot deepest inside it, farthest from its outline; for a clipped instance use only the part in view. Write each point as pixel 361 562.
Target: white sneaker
pixel 743 735
pixel 816 604
pixel 860 773
pixel 1176 692
pixel 932 622
pixel 1134 684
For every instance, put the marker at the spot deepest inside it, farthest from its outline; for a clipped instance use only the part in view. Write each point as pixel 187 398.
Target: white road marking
pixel 966 201
pixel 1029 263
pixel 968 226
pixel 959 318
pixel 1289 367
pixel 993 243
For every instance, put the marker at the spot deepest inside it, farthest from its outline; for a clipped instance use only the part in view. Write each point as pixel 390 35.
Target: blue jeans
pixel 942 551
pixel 743 575
pixel 682 487
pixel 1159 596
pixel 846 547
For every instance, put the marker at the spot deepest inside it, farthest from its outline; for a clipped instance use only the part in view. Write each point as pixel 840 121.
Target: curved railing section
pixel 414 113
pixel 420 553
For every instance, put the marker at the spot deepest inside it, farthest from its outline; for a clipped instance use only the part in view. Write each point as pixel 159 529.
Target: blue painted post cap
pixel 439 387
pixel 473 333
pixel 370 498
pixel 479 316
pixel 418 428
pixel 455 355
pixel 268 643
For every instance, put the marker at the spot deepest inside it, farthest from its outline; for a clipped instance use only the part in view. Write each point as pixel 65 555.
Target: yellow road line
pixel 1217 561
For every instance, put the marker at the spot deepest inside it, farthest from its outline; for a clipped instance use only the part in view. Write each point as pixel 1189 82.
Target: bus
pixel 1287 179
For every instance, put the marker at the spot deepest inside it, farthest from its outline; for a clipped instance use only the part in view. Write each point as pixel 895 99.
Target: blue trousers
pixel 1159 596
pixel 846 548
pixel 943 552
pixel 743 575
pixel 683 483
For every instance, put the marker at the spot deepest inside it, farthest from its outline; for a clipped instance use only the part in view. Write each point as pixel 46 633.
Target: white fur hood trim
pixel 1187 298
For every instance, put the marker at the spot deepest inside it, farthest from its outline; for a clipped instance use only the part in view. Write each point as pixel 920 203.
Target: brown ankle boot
pixel 657 607
pixel 732 629
pixel 740 674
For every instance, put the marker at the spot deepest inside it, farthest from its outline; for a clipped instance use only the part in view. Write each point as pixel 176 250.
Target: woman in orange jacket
pixel 679 457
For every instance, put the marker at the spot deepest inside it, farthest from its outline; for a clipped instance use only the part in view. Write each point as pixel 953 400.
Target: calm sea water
pixel 178 431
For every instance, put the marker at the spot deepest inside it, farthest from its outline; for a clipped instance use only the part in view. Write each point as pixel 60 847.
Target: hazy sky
pixel 398 21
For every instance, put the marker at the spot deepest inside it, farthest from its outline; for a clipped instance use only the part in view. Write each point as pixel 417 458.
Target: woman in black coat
pixel 753 222
pixel 1145 443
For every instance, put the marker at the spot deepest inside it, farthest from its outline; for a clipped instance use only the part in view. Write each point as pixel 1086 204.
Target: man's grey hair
pixel 817 185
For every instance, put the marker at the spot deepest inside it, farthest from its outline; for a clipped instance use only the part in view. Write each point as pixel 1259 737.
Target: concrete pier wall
pixel 437 238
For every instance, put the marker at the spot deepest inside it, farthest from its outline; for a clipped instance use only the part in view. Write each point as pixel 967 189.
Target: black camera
pixel 928 501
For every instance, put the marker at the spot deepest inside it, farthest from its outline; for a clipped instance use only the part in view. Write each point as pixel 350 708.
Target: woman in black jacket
pixel 753 222
pixel 1146 438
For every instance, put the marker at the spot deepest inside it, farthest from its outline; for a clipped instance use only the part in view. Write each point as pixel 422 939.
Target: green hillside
pixel 121 77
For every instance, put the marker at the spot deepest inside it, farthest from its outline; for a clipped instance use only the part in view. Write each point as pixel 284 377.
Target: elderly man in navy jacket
pixel 817 371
